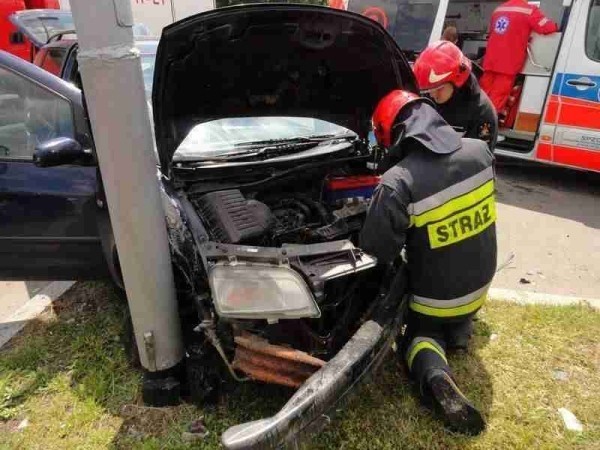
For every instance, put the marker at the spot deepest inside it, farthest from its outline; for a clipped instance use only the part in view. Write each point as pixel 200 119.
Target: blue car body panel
pixel 48 216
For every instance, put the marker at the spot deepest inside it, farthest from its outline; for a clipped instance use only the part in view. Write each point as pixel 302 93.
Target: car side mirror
pixel 16 37
pixel 60 151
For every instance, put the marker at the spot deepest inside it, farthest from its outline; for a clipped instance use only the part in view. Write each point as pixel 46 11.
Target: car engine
pixel 288 218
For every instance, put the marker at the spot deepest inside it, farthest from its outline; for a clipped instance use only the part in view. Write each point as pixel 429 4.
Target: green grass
pixel 68 375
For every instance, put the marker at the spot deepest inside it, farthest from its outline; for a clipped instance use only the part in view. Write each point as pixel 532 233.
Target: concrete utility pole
pixel 114 92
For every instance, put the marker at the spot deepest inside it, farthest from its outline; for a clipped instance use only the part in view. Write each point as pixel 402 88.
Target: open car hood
pixel 272 60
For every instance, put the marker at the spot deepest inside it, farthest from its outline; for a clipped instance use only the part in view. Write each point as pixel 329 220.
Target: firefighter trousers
pixel 426 341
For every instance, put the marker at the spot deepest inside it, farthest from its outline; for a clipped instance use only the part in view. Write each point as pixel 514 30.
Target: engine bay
pixel 309 224
pixel 272 219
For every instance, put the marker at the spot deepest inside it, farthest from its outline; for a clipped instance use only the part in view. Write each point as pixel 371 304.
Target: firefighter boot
pixel 457 412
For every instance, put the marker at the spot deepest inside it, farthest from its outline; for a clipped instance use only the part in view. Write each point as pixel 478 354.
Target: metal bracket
pixel 150 347
pixel 532 61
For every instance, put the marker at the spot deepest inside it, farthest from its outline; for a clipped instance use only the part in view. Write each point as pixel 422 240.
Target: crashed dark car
pixel 262 117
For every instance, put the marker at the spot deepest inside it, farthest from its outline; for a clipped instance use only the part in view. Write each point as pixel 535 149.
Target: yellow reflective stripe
pixel 449 312
pixel 422 346
pixel 462 225
pixel 454 205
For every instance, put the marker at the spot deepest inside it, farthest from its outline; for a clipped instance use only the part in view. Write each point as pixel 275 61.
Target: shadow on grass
pixel 81 352
pixel 160 428
pixel 77 352
pixel 385 413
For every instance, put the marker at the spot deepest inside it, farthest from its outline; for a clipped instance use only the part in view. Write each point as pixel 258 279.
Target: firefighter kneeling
pixel 436 200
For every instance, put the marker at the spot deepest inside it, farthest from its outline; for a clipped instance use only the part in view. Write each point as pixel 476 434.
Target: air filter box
pixel 232 218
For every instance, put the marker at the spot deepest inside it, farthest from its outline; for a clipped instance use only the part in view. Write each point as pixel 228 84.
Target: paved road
pixel 14 294
pixel 550 219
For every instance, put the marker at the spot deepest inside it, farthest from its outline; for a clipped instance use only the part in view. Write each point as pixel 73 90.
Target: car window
pixel 54 60
pixel 29 115
pixel 592 38
pixel 148 61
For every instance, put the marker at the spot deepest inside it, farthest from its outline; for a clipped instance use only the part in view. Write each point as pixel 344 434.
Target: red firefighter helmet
pixel 440 63
pixel 386 112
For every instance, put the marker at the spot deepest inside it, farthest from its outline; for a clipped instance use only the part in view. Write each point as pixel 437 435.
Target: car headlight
pixel 261 292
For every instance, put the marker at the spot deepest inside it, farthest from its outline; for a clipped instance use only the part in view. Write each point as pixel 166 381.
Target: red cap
pixel 440 63
pixel 386 112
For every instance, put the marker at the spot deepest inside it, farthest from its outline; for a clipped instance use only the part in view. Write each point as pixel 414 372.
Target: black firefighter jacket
pixel 438 202
pixel 471 113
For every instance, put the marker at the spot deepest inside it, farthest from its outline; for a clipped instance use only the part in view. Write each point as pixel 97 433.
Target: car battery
pixel 340 190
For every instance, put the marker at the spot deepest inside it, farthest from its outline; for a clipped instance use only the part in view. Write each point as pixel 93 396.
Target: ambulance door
pixel 438 24
pixel 524 122
pixel 574 106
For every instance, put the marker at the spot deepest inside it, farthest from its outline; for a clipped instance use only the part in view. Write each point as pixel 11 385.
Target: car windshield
pixel 223 137
pixel 43 27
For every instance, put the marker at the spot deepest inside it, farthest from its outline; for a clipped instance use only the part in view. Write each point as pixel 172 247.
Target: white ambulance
pixel 554 111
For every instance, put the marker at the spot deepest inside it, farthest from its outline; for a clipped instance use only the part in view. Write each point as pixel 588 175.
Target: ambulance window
pixel 592 37
pixel 410 22
pixel 414 22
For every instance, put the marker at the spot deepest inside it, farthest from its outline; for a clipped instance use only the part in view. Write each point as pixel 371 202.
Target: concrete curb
pixel 33 308
pixel 536 298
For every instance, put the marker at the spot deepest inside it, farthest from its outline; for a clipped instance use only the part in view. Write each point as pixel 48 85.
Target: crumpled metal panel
pixel 270 363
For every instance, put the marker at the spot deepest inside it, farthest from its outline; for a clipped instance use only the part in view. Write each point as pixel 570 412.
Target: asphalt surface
pixel 549 218
pixel 15 294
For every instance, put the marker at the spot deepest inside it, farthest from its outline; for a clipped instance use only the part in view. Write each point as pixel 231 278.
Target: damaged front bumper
pixel 313 404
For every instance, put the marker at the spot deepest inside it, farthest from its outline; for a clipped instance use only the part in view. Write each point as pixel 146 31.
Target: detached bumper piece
pixel 307 411
pixel 273 363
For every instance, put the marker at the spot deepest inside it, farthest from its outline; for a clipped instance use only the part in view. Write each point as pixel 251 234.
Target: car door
pixel 48 227
pixel 574 107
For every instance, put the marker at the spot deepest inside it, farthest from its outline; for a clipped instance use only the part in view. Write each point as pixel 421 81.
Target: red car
pixel 24 28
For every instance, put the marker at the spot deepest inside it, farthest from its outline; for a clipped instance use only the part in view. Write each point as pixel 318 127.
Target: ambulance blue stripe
pixel 562 88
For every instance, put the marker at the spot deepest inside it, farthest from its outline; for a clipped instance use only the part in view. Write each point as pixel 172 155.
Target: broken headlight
pixel 261 291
